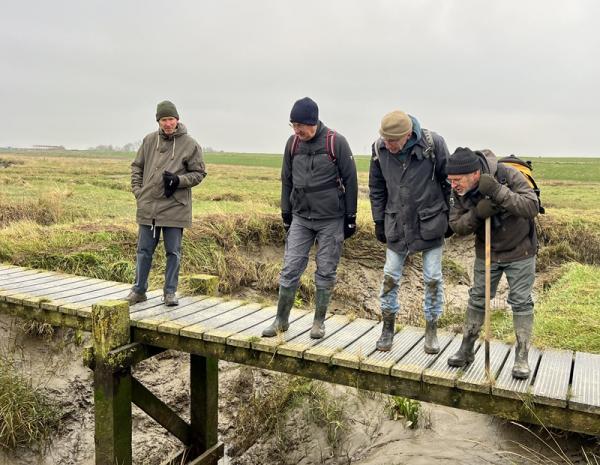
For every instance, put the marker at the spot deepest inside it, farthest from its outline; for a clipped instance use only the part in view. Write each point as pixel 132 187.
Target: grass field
pixel 73 211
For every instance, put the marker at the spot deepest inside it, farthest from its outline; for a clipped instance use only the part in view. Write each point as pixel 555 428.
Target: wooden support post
pixel 204 396
pixel 112 385
pixel 204 284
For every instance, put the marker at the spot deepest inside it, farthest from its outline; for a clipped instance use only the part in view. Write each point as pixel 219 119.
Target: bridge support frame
pixel 111 358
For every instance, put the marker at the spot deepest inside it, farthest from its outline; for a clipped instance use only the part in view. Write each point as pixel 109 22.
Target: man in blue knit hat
pixel 319 192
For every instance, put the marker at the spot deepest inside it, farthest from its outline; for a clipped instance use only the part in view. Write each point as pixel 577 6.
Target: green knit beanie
pixel 165 109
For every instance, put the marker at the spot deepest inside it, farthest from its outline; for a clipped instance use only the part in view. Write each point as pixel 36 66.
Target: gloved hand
pixel 287 221
pixel 449 232
pixel 349 226
pixel 380 231
pixel 171 182
pixel 486 208
pixel 489 186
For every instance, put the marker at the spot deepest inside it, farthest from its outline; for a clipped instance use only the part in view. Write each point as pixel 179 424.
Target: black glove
pixel 171 182
pixel 489 186
pixel 449 232
pixel 486 208
pixel 349 226
pixel 287 221
pixel 380 231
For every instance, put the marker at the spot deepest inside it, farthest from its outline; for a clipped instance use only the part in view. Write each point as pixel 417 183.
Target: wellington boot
pixel 284 306
pixel 466 354
pixel 523 326
pixel 432 345
pixel 386 340
pixel 322 299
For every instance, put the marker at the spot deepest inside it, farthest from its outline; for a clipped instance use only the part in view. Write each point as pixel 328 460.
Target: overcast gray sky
pixel 517 76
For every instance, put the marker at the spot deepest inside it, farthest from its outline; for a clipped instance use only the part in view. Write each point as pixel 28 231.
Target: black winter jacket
pixel 312 185
pixel 411 195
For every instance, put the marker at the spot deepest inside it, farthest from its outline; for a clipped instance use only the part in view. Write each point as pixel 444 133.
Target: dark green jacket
pixel 180 155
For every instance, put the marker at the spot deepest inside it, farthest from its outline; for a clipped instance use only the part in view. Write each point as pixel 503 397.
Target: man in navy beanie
pixel 319 191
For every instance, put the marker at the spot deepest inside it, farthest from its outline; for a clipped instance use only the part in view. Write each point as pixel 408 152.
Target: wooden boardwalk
pixel 563 391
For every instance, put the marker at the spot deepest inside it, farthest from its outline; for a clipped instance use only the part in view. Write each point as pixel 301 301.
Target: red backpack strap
pixel 330 145
pixel 294 147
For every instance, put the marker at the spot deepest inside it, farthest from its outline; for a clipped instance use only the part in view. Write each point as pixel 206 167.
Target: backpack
pixel 428 153
pixel 525 168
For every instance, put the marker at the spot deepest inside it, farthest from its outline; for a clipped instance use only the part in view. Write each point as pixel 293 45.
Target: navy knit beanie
pixel 463 161
pixel 305 111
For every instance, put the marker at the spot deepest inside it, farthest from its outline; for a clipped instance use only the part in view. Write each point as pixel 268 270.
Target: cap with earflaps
pixel 463 161
pixel 305 111
pixel 166 109
pixel 395 125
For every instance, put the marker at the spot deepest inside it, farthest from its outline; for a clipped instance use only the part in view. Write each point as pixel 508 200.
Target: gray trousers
pixel 303 233
pixel 520 276
pixel 147 241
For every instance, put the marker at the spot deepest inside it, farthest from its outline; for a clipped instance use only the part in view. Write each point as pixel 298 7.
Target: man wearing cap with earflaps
pixel 409 202
pixel 167 165
pixel 483 188
pixel 319 192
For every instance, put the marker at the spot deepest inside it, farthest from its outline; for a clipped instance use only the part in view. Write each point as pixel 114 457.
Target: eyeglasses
pixel 296 126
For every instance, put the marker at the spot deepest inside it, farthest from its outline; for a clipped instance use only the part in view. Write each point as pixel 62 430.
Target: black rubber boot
pixel 523 327
pixel 464 355
pixel 432 345
pixel 386 340
pixel 321 303
pixel 284 306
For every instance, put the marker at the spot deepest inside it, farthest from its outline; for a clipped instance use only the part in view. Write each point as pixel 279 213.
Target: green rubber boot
pixel 464 355
pixel 432 346
pixel 284 306
pixel 322 299
pixel 523 328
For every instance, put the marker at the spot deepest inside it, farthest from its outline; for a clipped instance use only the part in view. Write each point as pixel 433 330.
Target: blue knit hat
pixel 305 111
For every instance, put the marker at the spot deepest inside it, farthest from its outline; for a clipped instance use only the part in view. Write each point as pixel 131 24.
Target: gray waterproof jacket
pixel 513 230
pixel 179 154
pixel 313 185
pixel 411 194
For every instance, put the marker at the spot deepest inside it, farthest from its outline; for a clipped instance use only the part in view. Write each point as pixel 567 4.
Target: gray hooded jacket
pixel 179 154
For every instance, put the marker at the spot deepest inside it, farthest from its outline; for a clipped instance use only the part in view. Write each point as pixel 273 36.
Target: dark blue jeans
pixel 148 238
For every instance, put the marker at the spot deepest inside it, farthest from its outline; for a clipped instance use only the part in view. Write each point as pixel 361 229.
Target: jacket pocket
pixel 182 196
pixel 391 227
pixel 433 222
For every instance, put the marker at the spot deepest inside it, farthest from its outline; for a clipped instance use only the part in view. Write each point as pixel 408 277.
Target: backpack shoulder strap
pixel 294 147
pixel 375 154
pixel 429 151
pixel 330 145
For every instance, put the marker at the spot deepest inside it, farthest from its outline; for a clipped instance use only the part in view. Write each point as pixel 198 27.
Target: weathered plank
pixel 412 365
pixel 338 341
pixel 352 355
pixel 151 318
pixel 237 328
pixel 382 362
pixel 174 325
pixel 296 346
pixel 585 391
pixel 474 377
pixel 9 281
pixel 155 298
pixel 62 297
pixel 440 373
pixel 551 385
pixel 45 289
pixel 154 311
pixel 300 326
pixel 508 386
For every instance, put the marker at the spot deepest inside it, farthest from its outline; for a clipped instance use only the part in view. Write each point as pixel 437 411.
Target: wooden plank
pixel 296 346
pixel 151 318
pixel 174 325
pixel 382 362
pixel 17 271
pixel 551 385
pixel 474 378
pixel 440 373
pixel 236 328
pixel 585 391
pixel 506 385
pixel 222 318
pixel 338 341
pixel 412 365
pixel 352 355
pixel 62 297
pixel 10 281
pixel 300 326
pixel 244 338
pixel 155 298
pixel 46 289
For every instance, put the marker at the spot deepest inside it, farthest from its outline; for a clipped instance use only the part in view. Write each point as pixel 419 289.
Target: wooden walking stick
pixel 488 273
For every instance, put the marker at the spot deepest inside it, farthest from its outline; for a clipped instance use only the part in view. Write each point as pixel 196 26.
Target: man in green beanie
pixel 409 203
pixel 168 164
